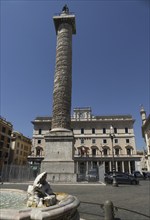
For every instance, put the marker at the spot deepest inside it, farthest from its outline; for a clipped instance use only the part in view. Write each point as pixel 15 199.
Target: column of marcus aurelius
pixel 58 161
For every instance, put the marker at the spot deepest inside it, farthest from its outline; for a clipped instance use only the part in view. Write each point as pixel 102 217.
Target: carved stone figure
pixel 40 193
pixel 65 9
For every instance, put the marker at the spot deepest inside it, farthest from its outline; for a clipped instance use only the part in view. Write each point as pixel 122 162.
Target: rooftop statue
pixel 65 9
pixel 40 193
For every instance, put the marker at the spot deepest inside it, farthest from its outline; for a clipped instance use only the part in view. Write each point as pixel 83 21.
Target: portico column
pixel 104 165
pixel 87 167
pixel 110 165
pixel 77 167
pixel 122 166
pixel 116 166
pixel 129 165
pixel 91 164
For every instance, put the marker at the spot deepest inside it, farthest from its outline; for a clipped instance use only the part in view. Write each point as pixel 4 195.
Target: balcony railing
pixel 36 156
pixel 105 156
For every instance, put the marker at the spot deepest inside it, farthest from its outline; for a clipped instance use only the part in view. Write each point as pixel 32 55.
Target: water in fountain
pixel 12 199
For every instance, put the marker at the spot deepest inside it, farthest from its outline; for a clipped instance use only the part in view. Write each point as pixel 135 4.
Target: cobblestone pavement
pixel 132 201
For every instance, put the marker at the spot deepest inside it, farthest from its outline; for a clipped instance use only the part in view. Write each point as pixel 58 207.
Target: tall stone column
pixel 59 149
pixel 65 27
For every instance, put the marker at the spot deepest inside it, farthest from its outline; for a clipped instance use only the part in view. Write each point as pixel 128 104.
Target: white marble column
pixel 122 166
pixel 87 167
pixel 129 166
pixel 110 166
pixel 116 166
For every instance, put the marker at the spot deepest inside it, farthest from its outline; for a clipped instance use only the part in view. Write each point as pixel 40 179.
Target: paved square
pixel 133 200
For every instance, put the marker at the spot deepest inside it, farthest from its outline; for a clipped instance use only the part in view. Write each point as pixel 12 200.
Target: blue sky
pixel 110 64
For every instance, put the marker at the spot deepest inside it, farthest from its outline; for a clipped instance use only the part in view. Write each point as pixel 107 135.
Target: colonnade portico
pixel 83 166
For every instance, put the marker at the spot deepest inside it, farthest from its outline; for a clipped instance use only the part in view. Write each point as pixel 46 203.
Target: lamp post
pixel 114 183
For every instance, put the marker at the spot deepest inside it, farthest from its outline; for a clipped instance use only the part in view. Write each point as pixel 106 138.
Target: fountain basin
pixel 66 208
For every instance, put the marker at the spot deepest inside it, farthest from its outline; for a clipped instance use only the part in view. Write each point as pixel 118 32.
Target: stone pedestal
pixel 58 162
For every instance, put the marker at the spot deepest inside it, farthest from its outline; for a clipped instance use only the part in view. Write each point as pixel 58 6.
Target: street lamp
pixel 114 183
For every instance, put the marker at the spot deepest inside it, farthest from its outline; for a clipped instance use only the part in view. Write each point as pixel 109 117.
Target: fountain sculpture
pixel 40 193
pixel 40 203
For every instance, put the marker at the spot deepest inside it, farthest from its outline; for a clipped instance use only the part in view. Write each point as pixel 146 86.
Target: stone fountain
pixel 38 203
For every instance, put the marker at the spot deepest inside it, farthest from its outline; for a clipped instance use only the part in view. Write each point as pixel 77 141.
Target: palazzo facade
pixel 92 141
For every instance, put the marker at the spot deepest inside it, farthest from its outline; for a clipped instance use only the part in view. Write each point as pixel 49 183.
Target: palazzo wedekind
pixel 92 142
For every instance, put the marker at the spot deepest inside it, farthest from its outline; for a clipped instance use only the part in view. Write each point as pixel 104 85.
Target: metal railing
pixel 16 173
pixel 106 155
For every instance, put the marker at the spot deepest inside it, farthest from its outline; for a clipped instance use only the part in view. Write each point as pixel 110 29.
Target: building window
pixel 2 137
pixel 117 151
pixel 3 129
pixel 39 141
pixel 93 130
pixel 6 155
pixel 8 140
pixel 9 132
pixel 38 151
pixel 93 141
pixel 115 130
pixel 127 141
pixel 83 151
pixel 93 152
pixel 104 141
pixel 40 131
pixel 116 141
pixel 82 130
pixel 126 130
pixel 128 151
pixel 105 152
pixel 104 130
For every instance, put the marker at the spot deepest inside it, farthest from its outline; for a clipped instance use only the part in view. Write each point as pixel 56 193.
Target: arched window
pixel 83 151
pixel 94 152
pixel 39 151
pixel 129 150
pixel 105 151
pixel 117 149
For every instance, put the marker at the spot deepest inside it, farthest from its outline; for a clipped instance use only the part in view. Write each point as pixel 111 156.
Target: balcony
pixel 91 156
pixel 34 158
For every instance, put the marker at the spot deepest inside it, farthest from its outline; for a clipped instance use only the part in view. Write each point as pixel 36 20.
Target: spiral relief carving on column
pixel 63 78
